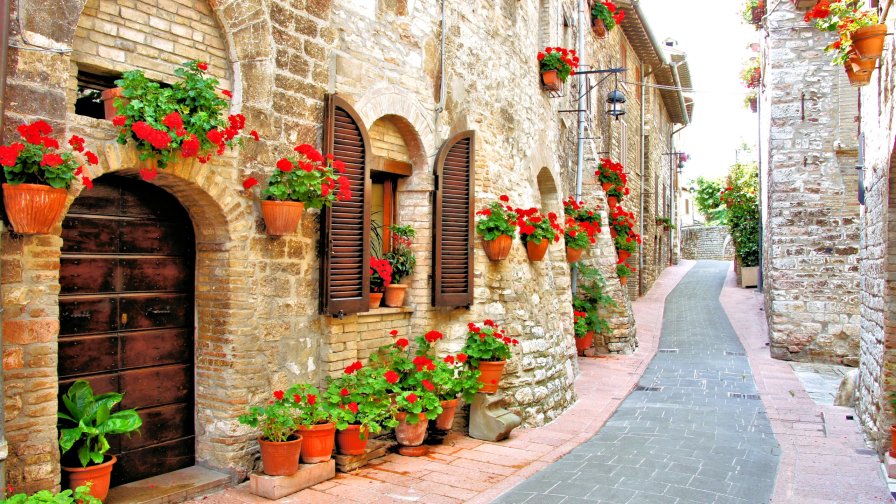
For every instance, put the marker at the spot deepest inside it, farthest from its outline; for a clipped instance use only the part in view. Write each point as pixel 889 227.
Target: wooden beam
pixel 386 165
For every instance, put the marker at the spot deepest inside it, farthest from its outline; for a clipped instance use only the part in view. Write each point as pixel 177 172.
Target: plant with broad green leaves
pixel 38 159
pixel 496 220
pixel 278 419
pixel 401 257
pixel 487 343
pixel 625 243
pixel 88 419
pixel 592 298
pixel 623 270
pixel 743 212
pixel 451 377
pixel 563 60
pixel 310 407
pixel 706 197
pixel 410 377
pixel 80 495
pixel 360 397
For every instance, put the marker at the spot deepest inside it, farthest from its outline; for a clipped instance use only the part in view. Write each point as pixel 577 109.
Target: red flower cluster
pixel 278 395
pixel 532 222
pixel 355 366
pixel 402 343
pixel 157 138
pixel 821 10
pixel 433 336
pixel 567 57
pixel 380 274
pixel 618 15
pixel 423 362
pixel 52 167
pixel 391 377
pixel 611 172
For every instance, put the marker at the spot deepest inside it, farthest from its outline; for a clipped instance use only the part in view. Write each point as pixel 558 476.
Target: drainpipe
pixel 642 167
pixel 580 142
pixel 4 44
pixel 442 93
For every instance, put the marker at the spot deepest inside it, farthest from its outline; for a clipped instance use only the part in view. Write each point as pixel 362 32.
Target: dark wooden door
pixel 126 316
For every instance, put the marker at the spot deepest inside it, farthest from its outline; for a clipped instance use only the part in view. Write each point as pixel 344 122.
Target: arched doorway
pixel 126 316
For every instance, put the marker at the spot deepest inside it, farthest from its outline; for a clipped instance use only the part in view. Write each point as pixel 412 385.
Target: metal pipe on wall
pixel 580 129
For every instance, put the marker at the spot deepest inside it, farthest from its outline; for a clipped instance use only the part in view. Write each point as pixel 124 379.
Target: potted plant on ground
pixel 451 377
pixel 582 324
pixel 80 495
pixel 556 65
pixel 308 180
pixel 360 406
pixel 402 260
pixel 314 419
pixel 743 219
pixel 186 118
pixel 380 278
pixel 84 424
pixel 279 443
pixel 537 231
pixel 38 175
pixel 623 271
pixel 591 299
pixel 604 17
pixel 488 348
pixel 497 225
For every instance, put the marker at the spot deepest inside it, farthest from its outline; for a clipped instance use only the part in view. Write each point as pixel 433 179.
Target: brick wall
pixel 706 242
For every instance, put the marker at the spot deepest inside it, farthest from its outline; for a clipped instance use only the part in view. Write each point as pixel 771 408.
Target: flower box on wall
pixel 804 4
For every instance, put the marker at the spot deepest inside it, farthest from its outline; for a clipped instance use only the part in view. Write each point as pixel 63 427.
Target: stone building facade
pixel 411 74
pixel 706 242
pixel 811 224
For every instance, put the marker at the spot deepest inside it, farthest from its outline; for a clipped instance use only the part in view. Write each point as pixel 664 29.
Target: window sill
pixel 385 310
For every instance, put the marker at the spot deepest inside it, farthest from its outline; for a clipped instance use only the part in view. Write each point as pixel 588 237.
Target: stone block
pixel 489 421
pixel 376 448
pixel 276 487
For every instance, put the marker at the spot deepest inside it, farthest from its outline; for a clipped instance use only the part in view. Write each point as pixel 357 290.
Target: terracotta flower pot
pixel 375 298
pixel 318 442
pixel 584 342
pixel 623 280
pixel 606 186
pixel 497 249
pixel 280 459
pixel 445 420
pixel 33 208
pixel 551 80
pixel 612 201
pixel 860 66
pixel 99 474
pixel 108 96
pixel 490 375
pixel 893 440
pixel 869 41
pixel 536 250
pixel 623 256
pixel 281 217
pixel 754 105
pixel 573 255
pixel 855 80
pixel 599 28
pixel 757 14
pixel 395 294
pixel 407 434
pixel 352 440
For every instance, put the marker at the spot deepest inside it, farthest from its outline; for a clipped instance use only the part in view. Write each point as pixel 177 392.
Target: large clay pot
pixel 623 280
pixel 497 249
pixel 612 201
pixel 375 298
pixel 536 250
pixel 573 255
pixel 623 256
pixel 280 458
pixel 281 217
pixel 606 186
pixel 445 420
pixel 551 80
pixel 99 474
pixel 855 80
pixel 317 442
pixel 108 96
pixel 754 105
pixel 352 440
pixel 410 434
pixel 584 343
pixel 599 28
pixel 869 41
pixel 33 208
pixel 860 66
pixel 490 375
pixel 395 294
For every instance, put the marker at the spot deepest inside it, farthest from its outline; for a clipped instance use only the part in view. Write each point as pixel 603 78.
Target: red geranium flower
pixel 284 165
pixel 312 399
pixel 391 376
pixel 249 183
pixel 411 398
pixel 202 66
pixel 278 395
pixel 353 407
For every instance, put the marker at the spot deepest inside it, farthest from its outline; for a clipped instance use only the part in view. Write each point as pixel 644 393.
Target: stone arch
pixel 549 194
pixel 404 107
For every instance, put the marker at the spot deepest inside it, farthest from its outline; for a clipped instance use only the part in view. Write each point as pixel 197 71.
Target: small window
pixel 90 85
pixel 638 82
pixel 383 212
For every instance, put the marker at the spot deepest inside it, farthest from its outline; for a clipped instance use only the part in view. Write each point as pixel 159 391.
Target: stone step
pixel 275 487
pixel 176 486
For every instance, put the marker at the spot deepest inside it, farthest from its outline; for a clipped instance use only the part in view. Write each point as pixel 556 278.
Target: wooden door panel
pixel 157 385
pixel 153 237
pixel 88 355
pixel 78 275
pixel 153 460
pixel 154 348
pixel 87 315
pixel 154 203
pixel 156 311
pixel 90 236
pixel 160 425
pixel 155 274
pixel 103 199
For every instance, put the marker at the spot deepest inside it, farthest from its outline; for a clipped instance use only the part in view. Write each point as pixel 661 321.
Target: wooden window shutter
pixel 453 222
pixel 345 228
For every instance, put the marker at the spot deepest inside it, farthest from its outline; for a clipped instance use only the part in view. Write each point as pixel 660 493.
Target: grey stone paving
pixel 698 434
pixel 821 381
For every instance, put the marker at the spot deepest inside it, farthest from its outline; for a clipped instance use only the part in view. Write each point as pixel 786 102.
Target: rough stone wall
pixel 878 268
pixel 258 326
pixel 706 242
pixel 811 271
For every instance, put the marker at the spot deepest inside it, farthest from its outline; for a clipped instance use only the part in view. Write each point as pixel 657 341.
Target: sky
pixel 717 45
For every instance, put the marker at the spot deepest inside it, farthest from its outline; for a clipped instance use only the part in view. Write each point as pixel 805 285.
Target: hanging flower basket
pixel 869 41
pixel 497 249
pixel 551 81
pixel 599 29
pixel 573 255
pixel 855 79
pixel 281 217
pixel 757 13
pixel 33 208
pixel 754 104
pixel 556 65
pixel 860 66
pixel 537 249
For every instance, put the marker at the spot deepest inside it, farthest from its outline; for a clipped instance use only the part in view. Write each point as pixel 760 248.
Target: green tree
pixel 708 203
pixel 743 212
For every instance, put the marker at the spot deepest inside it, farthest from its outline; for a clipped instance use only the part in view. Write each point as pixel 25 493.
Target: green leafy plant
pixel 310 407
pixel 843 17
pixel 625 243
pixel 496 220
pixel 186 117
pixel 311 178
pixel 534 226
pixel 401 257
pixel 749 6
pixel 360 397
pixel 592 298
pixel 740 196
pixel 80 495
pixel 665 222
pixel 612 173
pixel 706 197
pixel 409 377
pixel 564 61
pixel 623 270
pixel 278 419
pixel 751 75
pixel 38 159
pixel 451 377
pixel 607 13
pixel 581 323
pixel 579 211
pixel 88 419
pixel 487 343
pixel 577 235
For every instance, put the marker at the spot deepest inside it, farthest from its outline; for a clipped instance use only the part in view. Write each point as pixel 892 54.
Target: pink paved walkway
pixel 819 462
pixel 468 470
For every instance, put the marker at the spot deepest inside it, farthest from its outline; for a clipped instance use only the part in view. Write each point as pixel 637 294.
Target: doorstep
pixel 176 486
